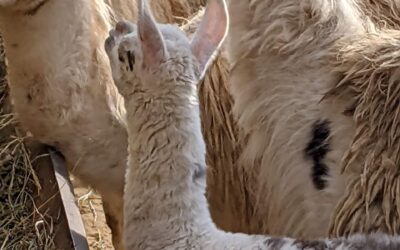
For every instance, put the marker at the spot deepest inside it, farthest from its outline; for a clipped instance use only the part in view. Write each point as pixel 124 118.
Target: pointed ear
pixel 151 40
pixel 211 33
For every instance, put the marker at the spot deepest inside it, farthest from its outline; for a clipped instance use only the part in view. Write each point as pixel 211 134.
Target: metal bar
pixel 74 219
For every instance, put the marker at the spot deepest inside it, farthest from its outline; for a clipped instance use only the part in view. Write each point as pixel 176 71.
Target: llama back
pixel 280 74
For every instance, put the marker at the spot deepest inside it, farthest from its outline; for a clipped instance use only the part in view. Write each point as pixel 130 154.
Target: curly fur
pixel 370 66
pixel 287 55
pixel 165 207
pixel 281 70
pixel 383 13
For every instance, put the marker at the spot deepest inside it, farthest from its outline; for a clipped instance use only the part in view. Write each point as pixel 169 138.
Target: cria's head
pixel 154 52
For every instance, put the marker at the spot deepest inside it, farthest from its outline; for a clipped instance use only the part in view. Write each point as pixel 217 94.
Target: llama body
pixel 29 64
pixel 370 67
pixel 156 70
pixel 62 90
pixel 143 181
pixel 281 72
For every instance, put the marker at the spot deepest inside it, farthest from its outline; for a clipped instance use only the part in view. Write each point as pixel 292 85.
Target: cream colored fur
pixel 61 84
pixel 157 71
pixel 62 90
pixel 36 122
pixel 234 194
pixel 314 21
pixel 370 67
pixel 281 72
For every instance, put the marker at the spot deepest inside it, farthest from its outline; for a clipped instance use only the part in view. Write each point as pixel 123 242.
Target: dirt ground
pixel 97 232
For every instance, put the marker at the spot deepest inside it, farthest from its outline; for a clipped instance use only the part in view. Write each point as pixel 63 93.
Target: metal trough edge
pixel 74 219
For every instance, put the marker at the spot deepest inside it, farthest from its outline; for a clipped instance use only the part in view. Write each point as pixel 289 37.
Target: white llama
pixel 281 56
pixel 62 90
pixel 157 69
pixel 63 93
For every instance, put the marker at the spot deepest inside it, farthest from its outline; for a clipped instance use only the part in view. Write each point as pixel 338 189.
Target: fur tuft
pixel 370 65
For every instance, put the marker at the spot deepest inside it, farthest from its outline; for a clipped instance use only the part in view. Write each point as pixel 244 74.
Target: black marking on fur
pixel 131 60
pixel 36 8
pixel 317 149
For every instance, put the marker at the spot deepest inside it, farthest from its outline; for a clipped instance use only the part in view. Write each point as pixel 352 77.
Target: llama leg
pixel 114 216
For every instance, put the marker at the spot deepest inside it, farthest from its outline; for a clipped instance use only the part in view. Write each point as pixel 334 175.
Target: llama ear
pixel 151 40
pixel 211 33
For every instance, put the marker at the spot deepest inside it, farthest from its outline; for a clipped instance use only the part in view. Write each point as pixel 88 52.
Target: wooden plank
pixel 74 219
pixel 48 199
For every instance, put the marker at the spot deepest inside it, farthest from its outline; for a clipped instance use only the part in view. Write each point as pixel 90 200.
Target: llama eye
pixel 131 59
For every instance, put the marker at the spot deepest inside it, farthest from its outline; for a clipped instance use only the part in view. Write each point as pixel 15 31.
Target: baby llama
pixel 156 69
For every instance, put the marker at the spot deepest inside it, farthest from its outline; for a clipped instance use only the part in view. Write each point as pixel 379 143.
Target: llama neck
pixel 57 29
pixel 165 183
pixel 56 55
pixel 61 85
pixel 165 137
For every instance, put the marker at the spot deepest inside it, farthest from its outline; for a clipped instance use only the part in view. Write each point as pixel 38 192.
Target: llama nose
pixel 124 27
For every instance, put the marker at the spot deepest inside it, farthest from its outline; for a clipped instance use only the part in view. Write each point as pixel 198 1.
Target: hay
pixel 371 68
pixel 21 225
pixel 175 11
pixel 165 11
